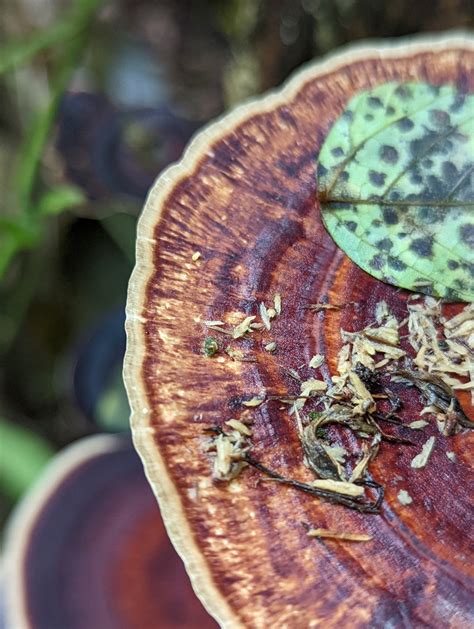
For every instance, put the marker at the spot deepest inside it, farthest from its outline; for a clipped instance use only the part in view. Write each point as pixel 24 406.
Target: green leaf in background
pixel 21 51
pixel 113 410
pixel 69 38
pixel 13 237
pixel 60 199
pixel 395 179
pixel 23 456
pixel 79 21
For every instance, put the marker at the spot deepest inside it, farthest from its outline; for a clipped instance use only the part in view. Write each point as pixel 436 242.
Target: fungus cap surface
pixel 86 547
pixel 244 196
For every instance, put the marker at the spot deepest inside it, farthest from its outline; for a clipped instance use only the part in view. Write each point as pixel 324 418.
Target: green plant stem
pixel 16 53
pixel 37 135
pixel 24 455
pixel 13 309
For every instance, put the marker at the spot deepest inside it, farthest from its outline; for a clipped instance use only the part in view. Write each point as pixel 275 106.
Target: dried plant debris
pixel 358 398
pixel 404 497
pixel 236 424
pixel 217 326
pixel 346 537
pixel 294 374
pixel 316 361
pixel 228 450
pixel 358 503
pixel 255 401
pixel 444 347
pixel 438 395
pixel 210 346
pixel 340 487
pixel 322 307
pixel 264 314
pixel 418 424
pixel 422 459
pixel 312 386
pixel 242 329
pixel 319 456
pixel 277 303
pixel 238 355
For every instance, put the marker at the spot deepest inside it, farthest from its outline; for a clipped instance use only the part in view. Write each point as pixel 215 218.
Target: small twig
pixel 392 438
pixel 330 496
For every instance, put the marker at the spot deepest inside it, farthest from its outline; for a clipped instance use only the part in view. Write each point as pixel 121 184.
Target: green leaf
pixel 31 151
pixel 395 180
pixel 20 51
pixel 17 52
pixel 60 199
pixel 9 245
pixel 14 236
pixel 113 411
pixel 23 456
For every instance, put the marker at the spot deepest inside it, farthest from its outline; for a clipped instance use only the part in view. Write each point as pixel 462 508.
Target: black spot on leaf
pixel 377 179
pixel 451 294
pixel 461 284
pixel 388 154
pixel 458 102
pixel 377 262
pixel 466 233
pixel 440 146
pixel 368 117
pixel 385 244
pixel 453 265
pixel 431 214
pixel 390 111
pixel 415 177
pixel 423 247
pixel 396 264
pixel 390 216
pixel 403 92
pixel 351 225
pixel 374 102
pixel 436 188
pixel 405 124
pixel 440 118
pixel 469 268
pixel 450 172
pixel 427 143
pixel 322 170
pixel 337 152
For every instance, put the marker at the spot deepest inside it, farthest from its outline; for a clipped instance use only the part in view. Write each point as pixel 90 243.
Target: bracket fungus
pixel 245 196
pixel 86 547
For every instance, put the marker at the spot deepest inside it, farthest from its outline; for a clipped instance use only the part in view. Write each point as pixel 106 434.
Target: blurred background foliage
pixel 96 98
